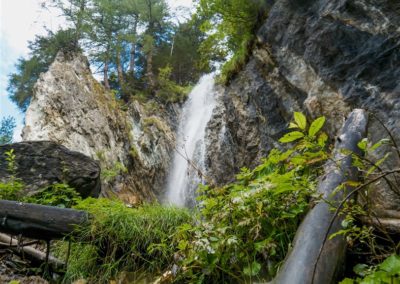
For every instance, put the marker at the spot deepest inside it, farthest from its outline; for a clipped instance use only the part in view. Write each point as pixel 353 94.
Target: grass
pixel 123 239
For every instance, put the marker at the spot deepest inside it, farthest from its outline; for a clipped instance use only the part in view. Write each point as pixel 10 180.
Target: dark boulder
pixel 40 164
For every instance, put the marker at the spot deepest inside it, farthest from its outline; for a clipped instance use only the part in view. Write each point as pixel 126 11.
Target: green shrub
pixel 388 272
pixel 123 239
pixel 251 222
pixel 60 195
pixel 12 189
pixel 110 173
pixel 168 90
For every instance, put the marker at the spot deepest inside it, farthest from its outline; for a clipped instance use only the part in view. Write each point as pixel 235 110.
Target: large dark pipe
pixel 312 260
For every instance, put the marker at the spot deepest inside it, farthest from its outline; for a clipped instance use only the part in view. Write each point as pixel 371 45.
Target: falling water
pixel 188 159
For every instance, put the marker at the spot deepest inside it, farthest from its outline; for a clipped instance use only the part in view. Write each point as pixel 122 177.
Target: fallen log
pixel 31 253
pixel 39 221
pixel 312 260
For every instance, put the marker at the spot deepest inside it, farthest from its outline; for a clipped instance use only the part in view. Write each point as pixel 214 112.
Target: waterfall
pixel 183 178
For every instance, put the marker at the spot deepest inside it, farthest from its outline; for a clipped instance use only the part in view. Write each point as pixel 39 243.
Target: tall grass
pixel 123 239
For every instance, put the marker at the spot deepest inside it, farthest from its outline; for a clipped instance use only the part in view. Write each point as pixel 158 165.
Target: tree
pixel 107 35
pixel 132 12
pixel 231 27
pixel 7 126
pixel 180 52
pixel 75 12
pixel 154 14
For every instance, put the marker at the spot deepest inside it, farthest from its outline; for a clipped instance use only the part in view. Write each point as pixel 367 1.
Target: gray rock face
pixel 40 164
pixel 133 146
pixel 321 57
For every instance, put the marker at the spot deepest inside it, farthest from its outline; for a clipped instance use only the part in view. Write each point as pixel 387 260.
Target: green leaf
pixel 293 125
pixel 377 164
pixel 391 265
pixel 316 126
pixel 292 136
pixel 363 144
pixel 322 138
pixel 361 269
pixel 300 120
pixel 379 144
pixel 252 269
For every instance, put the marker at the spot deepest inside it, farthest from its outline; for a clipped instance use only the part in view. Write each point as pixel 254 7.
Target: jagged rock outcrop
pixel 133 146
pixel 322 57
pixel 41 164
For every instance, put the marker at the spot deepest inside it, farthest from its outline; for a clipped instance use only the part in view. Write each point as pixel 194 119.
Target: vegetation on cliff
pixel 140 49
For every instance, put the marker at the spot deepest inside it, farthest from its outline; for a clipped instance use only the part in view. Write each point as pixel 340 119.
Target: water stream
pixel 189 153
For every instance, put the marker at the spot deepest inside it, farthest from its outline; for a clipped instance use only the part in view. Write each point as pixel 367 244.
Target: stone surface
pixel 40 164
pixel 321 57
pixel 132 145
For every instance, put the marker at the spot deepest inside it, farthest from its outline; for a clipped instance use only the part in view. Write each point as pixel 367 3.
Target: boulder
pixel 43 163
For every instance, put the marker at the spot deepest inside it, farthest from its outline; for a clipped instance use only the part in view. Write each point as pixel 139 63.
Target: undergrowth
pixel 387 272
pixel 123 239
pixel 238 233
pixel 251 222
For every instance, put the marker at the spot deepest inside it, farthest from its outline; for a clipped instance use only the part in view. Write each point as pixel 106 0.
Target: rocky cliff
pixel 133 146
pixel 322 57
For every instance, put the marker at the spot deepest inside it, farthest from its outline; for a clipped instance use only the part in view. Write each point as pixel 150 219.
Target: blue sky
pixel 20 21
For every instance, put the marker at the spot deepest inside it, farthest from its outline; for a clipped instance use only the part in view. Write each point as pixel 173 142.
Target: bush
pixel 168 90
pixel 12 189
pixel 388 272
pixel 60 195
pixel 253 220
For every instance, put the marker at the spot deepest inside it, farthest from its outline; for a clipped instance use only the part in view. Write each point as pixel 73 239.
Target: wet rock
pixel 40 164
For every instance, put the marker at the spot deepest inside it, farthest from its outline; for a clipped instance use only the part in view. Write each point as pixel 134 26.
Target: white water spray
pixel 189 154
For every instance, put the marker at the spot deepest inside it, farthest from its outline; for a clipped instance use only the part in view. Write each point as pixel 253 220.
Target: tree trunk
pixel 303 265
pixel 132 57
pixel 105 74
pixel 150 75
pixel 38 221
pixel 79 23
pixel 119 67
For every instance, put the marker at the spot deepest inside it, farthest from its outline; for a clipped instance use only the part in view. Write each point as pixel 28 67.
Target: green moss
pixel 133 152
pixel 236 63
pixel 155 121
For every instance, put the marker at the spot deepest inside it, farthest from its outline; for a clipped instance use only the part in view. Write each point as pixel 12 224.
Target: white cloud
pixel 21 20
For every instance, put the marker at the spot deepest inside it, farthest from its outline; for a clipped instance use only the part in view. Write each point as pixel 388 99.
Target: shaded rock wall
pixel 41 164
pixel 322 57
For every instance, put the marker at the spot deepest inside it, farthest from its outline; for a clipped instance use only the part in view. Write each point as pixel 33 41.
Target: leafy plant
pixel 168 90
pixel 60 195
pixel 11 190
pixel 252 221
pixel 361 227
pixel 109 173
pixel 388 272
pixel 230 28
